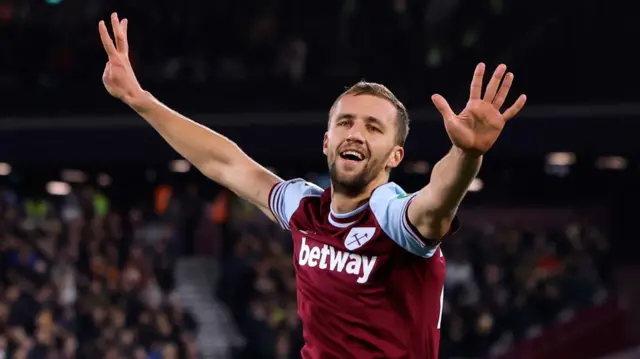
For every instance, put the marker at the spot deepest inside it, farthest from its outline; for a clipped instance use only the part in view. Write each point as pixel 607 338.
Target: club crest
pixel 358 236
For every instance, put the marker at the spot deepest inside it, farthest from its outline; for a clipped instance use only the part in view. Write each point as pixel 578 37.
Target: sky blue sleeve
pixel 389 206
pixel 285 198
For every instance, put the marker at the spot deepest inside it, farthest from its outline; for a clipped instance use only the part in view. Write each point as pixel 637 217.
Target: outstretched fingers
pixel 121 37
pixel 476 83
pixel 494 83
pixel 107 43
pixel 498 101
pixel 119 33
pixel 125 29
pixel 121 44
pixel 515 108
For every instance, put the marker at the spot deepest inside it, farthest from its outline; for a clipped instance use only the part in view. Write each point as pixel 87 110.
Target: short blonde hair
pixel 381 91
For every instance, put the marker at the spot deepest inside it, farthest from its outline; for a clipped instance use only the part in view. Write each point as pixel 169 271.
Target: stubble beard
pixel 354 185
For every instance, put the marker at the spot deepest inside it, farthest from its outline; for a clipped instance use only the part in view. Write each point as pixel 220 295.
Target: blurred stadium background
pixel 111 246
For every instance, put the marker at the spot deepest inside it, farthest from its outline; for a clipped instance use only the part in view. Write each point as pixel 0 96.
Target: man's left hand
pixel 477 127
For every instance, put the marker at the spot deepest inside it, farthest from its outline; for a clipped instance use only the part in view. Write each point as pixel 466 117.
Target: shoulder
pixel 297 187
pixel 389 205
pixel 386 195
pixel 285 197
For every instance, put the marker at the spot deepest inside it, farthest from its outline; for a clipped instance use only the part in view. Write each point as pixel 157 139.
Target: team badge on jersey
pixel 358 236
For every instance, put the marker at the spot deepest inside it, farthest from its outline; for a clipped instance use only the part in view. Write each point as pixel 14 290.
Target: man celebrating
pixel 369 269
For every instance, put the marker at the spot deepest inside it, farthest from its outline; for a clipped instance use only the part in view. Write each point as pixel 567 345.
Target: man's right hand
pixel 118 77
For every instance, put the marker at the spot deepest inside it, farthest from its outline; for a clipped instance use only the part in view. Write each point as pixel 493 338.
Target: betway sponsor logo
pixel 329 258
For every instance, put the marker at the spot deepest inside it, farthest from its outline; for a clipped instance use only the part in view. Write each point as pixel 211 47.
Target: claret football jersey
pixel 368 284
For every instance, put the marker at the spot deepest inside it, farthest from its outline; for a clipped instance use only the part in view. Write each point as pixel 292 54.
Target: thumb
pixel 443 106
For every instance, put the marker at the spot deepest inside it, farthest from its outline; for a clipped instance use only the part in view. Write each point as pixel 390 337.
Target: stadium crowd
pixel 79 280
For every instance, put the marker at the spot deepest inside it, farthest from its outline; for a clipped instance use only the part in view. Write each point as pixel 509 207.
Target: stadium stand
pixel 80 281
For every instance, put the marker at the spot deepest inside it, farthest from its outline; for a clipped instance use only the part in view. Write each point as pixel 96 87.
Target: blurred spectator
pixel 520 283
pixel 76 284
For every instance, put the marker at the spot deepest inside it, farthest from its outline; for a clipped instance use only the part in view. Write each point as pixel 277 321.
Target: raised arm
pixel 213 154
pixel 472 132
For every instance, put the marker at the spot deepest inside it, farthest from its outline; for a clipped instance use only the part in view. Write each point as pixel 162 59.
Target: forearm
pixel 204 148
pixel 214 155
pixel 434 207
pixel 450 180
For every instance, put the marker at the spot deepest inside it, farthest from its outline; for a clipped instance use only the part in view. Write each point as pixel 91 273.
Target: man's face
pixel 361 142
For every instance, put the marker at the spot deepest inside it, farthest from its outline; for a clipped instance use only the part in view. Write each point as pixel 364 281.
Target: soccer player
pixel 369 269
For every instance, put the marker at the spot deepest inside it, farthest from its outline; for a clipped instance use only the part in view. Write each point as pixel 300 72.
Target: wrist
pixel 466 155
pixel 140 102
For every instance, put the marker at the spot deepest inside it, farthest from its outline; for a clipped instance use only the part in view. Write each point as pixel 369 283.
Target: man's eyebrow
pixel 375 120
pixel 346 116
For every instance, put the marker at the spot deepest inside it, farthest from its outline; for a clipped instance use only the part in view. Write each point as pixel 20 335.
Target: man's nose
pixel 356 133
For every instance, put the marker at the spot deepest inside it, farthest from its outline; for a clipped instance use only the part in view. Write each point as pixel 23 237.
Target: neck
pixel 347 202
pixel 341 203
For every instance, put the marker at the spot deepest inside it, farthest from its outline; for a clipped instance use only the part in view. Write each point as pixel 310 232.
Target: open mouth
pixel 352 155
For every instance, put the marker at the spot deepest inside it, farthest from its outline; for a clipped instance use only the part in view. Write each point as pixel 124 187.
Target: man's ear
pixel 395 157
pixel 325 143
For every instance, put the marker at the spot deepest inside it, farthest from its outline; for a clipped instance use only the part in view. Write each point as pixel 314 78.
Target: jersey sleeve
pixel 285 198
pixel 389 206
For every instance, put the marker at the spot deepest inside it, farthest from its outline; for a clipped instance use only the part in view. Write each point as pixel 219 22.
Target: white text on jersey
pixel 327 257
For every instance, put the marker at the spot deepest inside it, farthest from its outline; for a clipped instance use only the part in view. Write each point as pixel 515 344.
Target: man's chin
pixel 348 178
pixel 349 174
